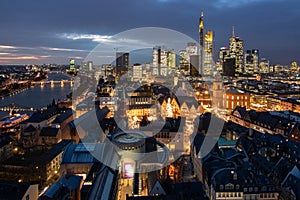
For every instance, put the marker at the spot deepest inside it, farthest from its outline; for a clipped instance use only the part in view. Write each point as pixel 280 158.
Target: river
pixel 38 96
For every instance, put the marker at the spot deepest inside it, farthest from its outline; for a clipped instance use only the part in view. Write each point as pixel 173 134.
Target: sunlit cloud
pixel 7 47
pixel 20 58
pixel 4 53
pixel 94 38
pixel 105 39
pixel 76 57
pixel 62 49
pixel 46 56
pixel 15 57
pixel 237 3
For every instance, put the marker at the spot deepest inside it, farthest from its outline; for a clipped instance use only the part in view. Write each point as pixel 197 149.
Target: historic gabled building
pixel 264 122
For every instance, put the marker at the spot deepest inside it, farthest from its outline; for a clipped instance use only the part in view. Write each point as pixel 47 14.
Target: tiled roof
pixel 42 115
pixel 29 128
pixel 63 116
pixel 49 131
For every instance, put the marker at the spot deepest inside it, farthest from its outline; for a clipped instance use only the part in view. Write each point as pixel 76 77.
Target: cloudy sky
pixel 35 31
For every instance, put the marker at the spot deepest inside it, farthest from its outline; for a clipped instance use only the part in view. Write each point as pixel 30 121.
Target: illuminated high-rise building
pixel 137 72
pixel 163 61
pixel 223 55
pixel 251 62
pixel 171 56
pixel 264 66
pixel 90 65
pixel 194 65
pixel 184 60
pixel 294 68
pixel 208 63
pixel 72 65
pixel 191 48
pixel 236 51
pixel 206 41
pixel 122 63
pixel 201 42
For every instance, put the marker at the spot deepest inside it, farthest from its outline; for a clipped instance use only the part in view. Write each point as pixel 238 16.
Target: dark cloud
pixel 271 26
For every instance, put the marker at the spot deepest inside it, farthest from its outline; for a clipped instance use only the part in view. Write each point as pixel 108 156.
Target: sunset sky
pixel 36 32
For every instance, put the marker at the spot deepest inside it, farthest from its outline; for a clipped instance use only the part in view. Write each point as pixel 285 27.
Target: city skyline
pixel 35 35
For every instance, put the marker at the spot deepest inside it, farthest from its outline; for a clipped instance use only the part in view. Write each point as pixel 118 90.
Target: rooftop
pixel 4 140
pixel 13 191
pixel 49 131
pixel 37 157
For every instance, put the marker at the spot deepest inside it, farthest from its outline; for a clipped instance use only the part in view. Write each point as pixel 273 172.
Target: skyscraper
pixel 264 66
pixel 137 72
pixel 90 65
pixel 184 61
pixel 236 51
pixel 208 63
pixel 201 42
pixel 206 40
pixel 163 61
pixel 194 65
pixel 251 61
pixel 223 55
pixel 229 68
pixel 72 65
pixel 171 60
pixel 122 62
pixel 191 48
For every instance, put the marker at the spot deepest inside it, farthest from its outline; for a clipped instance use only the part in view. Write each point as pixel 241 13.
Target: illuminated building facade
pixel 264 66
pixel 223 55
pixel 233 98
pixel 173 104
pixel 236 51
pixel 137 72
pixel 163 61
pixel 206 41
pixel 184 62
pixel 251 61
pixel 208 63
pixel 191 48
pixel 90 65
pixel 201 42
pixel 171 60
pixel 294 69
pixel 72 65
pixel 185 58
pixel 122 63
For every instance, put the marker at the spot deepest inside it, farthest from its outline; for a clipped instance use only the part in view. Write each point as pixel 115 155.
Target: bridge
pixel 53 82
pixel 16 107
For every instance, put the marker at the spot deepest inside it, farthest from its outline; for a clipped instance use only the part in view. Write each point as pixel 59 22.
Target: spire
pixel 233 35
pixel 201 25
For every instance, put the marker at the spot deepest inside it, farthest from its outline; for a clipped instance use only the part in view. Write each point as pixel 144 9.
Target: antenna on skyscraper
pixel 233 31
pixel 202 13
